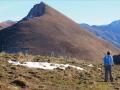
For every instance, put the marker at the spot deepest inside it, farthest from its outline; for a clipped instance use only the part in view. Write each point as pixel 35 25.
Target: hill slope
pixel 45 30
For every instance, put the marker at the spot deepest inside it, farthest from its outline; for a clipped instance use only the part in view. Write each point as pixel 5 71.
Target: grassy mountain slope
pixel 22 78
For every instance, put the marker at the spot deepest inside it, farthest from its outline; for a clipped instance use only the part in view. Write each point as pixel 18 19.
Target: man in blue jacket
pixel 108 62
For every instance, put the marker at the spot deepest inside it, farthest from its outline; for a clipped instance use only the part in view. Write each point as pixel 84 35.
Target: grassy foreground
pixel 22 78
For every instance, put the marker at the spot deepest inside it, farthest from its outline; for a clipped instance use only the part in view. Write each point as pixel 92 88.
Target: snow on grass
pixel 90 65
pixel 44 65
pixel 14 62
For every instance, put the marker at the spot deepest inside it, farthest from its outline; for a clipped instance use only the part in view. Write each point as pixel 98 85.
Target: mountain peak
pixel 115 23
pixel 52 32
pixel 37 11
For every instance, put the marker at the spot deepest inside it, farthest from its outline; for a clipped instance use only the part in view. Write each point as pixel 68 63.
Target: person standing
pixel 108 62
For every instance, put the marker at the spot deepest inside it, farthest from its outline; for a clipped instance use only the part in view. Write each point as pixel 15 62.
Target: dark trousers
pixel 108 72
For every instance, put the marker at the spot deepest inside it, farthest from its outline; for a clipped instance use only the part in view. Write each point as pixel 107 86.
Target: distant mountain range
pixel 6 24
pixel 110 32
pixel 45 30
pixel 1 27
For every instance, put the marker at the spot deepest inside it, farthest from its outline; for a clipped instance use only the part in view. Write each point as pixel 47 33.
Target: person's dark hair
pixel 108 52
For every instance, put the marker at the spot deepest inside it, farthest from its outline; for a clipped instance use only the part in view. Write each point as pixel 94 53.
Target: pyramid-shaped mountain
pixel 45 30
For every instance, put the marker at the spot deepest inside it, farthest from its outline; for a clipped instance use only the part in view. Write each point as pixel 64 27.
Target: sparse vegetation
pixel 22 78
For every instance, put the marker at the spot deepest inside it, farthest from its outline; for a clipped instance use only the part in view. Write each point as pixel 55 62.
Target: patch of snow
pixel 44 65
pixel 14 62
pixel 78 68
pixel 90 65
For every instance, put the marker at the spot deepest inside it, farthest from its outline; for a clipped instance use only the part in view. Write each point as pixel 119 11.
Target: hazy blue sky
pixel 81 11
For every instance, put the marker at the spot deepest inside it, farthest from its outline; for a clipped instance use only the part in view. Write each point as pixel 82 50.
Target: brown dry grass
pixel 69 79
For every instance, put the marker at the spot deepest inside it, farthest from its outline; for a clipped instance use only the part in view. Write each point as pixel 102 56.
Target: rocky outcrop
pixel 19 83
pixel 36 11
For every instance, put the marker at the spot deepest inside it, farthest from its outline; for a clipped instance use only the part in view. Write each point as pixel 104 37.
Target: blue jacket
pixel 108 60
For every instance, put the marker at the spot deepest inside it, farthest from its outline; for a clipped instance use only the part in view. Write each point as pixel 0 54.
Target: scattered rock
pixel 59 69
pixel 99 69
pixel 1 75
pixel 31 72
pixel 19 83
pixel 117 88
pixel 13 68
pixel 92 82
pixel 41 86
pixel 10 72
pixel 118 77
